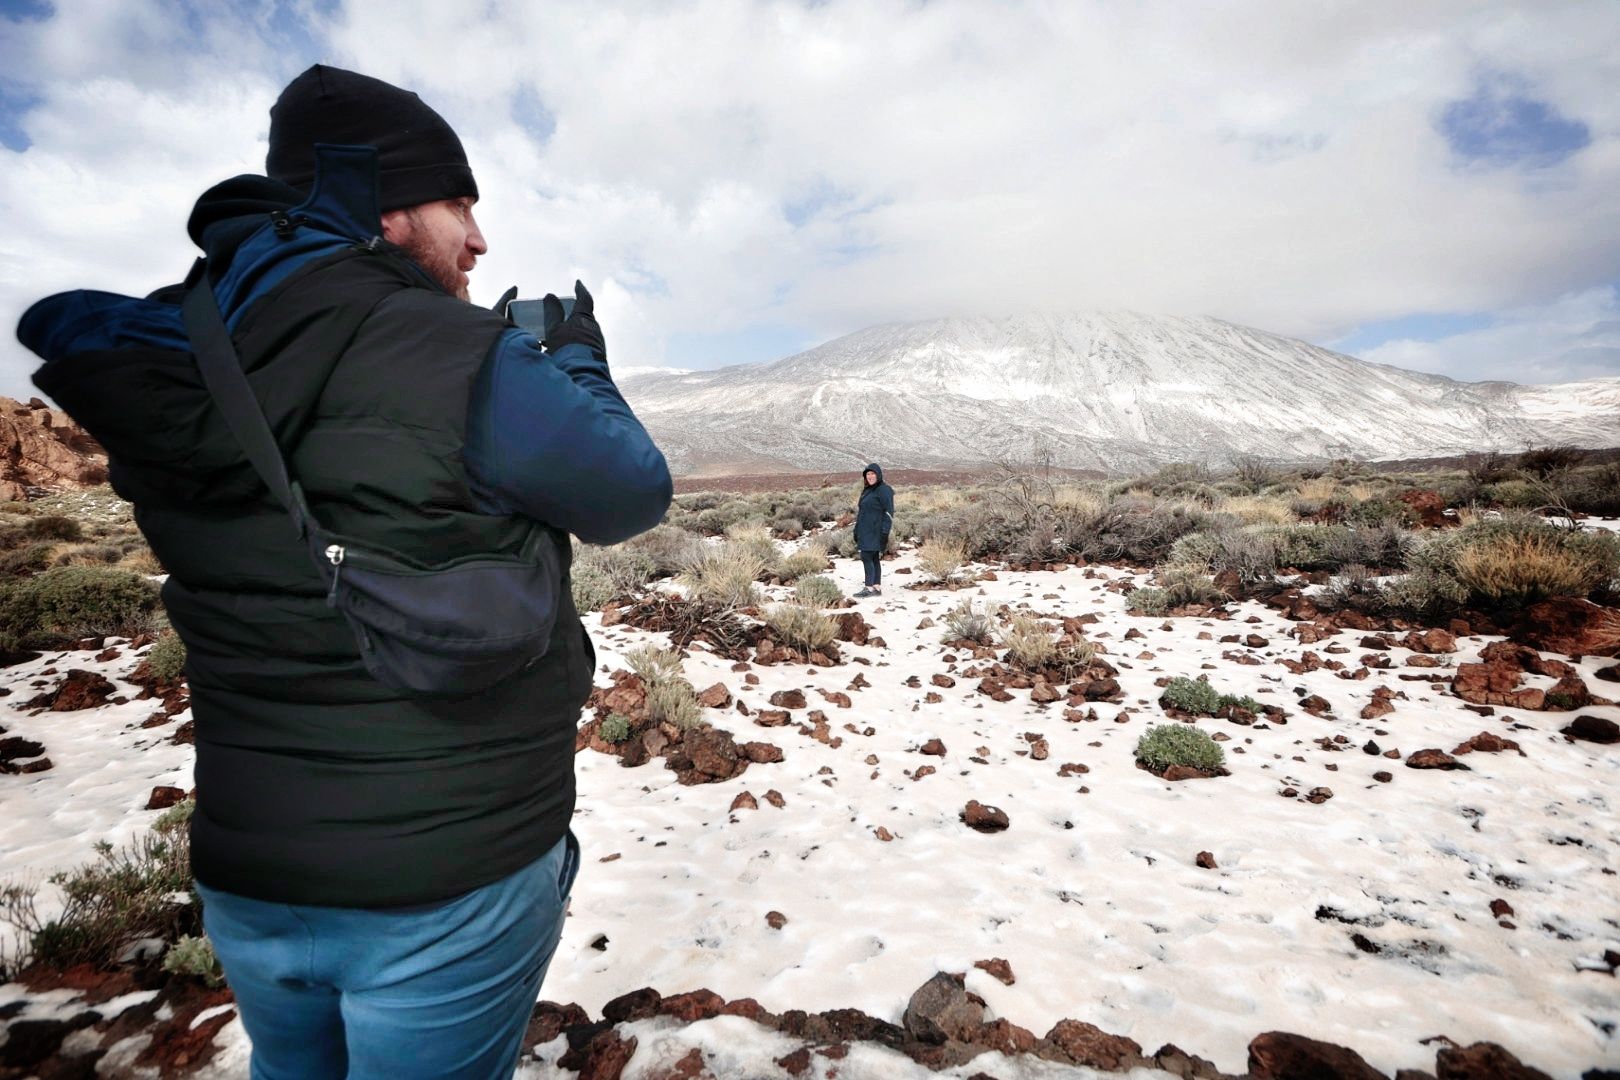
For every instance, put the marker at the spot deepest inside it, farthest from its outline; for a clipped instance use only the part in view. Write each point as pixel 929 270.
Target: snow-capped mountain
pixel 1114 391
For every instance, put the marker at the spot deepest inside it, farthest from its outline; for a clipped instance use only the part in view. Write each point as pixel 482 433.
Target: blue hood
pixel 121 365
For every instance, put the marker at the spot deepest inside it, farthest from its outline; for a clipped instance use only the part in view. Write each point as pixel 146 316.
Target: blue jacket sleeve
pixel 887 497
pixel 551 438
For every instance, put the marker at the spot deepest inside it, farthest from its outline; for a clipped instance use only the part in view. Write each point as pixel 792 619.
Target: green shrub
pixel 1515 494
pixel 801 626
pixel 1146 600
pixel 53 527
pixel 626 569
pixel 809 560
pixel 615 729
pixel 1186 586
pixel 592 588
pixel 724 574
pixel 1178 744
pixel 1192 695
pixel 674 702
pixel 969 621
pixel 123 896
pixel 1423 595
pixel 1139 529
pixel 30 559
pixel 194 956
pixel 63 605
pixel 670 548
pixel 1514 561
pixel 166 659
pixel 1593 491
pixel 817 590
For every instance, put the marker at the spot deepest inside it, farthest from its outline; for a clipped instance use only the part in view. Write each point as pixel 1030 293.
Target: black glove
pixel 579 328
pixel 506 298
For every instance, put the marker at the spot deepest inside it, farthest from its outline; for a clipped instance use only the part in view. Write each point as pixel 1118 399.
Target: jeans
pixel 873 561
pixel 441 991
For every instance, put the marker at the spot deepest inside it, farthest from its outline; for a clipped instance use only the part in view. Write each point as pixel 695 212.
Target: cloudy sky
pixel 1430 184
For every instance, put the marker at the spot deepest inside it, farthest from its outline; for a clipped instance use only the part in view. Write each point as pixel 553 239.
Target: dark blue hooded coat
pixel 874 517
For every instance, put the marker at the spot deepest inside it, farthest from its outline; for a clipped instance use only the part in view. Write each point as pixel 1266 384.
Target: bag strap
pixel 222 374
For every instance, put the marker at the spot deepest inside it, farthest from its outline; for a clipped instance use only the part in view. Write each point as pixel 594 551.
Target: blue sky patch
pixel 1501 125
pixel 1419 327
pixel 753 345
pixel 531 114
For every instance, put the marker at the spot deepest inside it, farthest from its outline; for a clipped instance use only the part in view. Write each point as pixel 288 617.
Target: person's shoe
pixel 864 592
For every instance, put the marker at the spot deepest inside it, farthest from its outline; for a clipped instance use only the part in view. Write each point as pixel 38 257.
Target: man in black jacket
pixel 384 875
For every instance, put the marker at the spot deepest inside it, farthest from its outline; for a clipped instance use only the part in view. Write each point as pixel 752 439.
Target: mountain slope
pixel 1112 390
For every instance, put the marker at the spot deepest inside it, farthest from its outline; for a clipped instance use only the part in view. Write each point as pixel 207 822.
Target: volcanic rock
pixel 1595 729
pixel 41 447
pixel 1482 1061
pixel 987 819
pixel 1433 759
pixel 941 1009
pixel 1278 1055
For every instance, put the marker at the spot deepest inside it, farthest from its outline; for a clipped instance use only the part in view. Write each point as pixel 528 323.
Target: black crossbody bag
pixel 452 629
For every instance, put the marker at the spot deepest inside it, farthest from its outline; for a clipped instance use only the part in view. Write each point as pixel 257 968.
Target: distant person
pixel 874 517
pixel 384 873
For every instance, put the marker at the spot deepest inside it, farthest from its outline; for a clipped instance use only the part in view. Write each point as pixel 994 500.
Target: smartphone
pixel 531 314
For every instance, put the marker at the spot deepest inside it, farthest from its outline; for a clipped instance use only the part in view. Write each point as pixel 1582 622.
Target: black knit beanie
pixel 419 158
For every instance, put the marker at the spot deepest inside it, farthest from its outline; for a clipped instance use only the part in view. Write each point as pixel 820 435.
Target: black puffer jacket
pixel 315 783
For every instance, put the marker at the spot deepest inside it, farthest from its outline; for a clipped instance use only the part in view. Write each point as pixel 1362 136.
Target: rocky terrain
pixel 907 857
pixel 42 449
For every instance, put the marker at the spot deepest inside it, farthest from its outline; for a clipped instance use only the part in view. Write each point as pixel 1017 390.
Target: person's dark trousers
pixel 442 991
pixel 873 561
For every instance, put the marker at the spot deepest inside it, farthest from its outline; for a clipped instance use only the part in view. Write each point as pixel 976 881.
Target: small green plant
pixel 1192 695
pixel 615 729
pixel 817 590
pixel 756 541
pixel 1147 600
pixel 1200 698
pixel 800 626
pixel 194 956
pixel 625 569
pixel 166 659
pixel 968 621
pixel 674 702
pixel 653 665
pixel 1178 744
pixel 1187 587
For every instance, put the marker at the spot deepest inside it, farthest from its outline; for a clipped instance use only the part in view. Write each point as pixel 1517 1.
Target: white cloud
pixel 1575 337
pixel 1275 164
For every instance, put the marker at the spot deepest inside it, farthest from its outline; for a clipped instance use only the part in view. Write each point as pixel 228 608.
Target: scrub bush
pixel 817 590
pixel 808 560
pixel 166 659
pixel 756 541
pixel 940 559
pixel 1200 698
pixel 1511 562
pixel 1178 744
pixel 653 665
pixel 591 586
pixel 669 547
pixel 65 604
pixel 121 897
pixel 800 626
pixel 724 574
pixel 674 702
pixel 1147 601
pixel 969 621
pixel 1031 645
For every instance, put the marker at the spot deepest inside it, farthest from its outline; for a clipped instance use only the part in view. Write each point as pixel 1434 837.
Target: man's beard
pixel 418 246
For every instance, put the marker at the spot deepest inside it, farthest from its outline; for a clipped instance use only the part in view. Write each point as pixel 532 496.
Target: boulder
pixel 1594 729
pixel 941 1009
pixel 985 819
pixel 1482 1061
pixel 1091 1046
pixel 41 447
pixel 1569 625
pixel 1279 1055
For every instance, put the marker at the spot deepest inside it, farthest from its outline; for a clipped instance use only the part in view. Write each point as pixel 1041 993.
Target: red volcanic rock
pixel 998 969
pixel 789 699
pixel 1278 1055
pixel 1571 626
pixel 983 818
pixel 78 690
pixel 1430 641
pixel 1091 1046
pixel 1483 1061
pixel 932 747
pixel 715 697
pixel 1429 508
pixel 1433 759
pixel 696 1005
pixel 164 797
pixel 1488 743
pixel 852 628
pixel 41 447
pixel 1595 729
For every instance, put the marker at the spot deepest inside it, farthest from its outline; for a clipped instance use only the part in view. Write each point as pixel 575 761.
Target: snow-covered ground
pixel 1092 896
